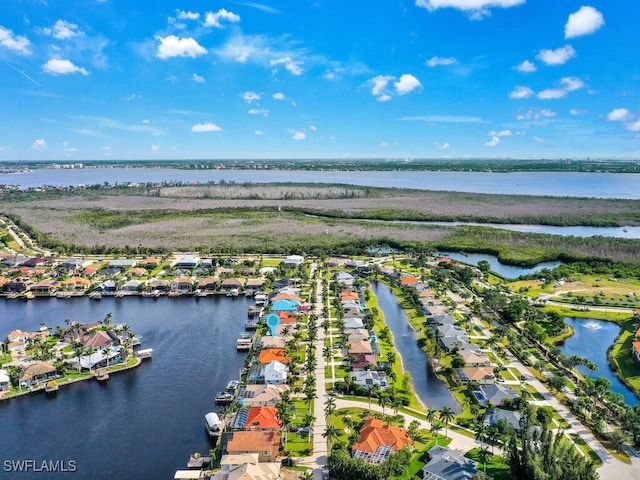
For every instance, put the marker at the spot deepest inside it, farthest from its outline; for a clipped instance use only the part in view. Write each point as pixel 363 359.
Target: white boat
pixel 233 384
pixel 212 425
pixel 261 298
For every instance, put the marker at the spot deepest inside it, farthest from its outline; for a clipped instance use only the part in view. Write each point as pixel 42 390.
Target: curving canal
pixel 430 390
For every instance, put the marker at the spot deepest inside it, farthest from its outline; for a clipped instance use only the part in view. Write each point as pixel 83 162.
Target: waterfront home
pixel 265 444
pixel 229 284
pixel 137 272
pixel 448 464
pixel 270 354
pixel 285 306
pixel 441 319
pixel 261 395
pixel 5 381
pixel 287 317
pixel 181 284
pixel 99 358
pixel 208 284
pixel 45 287
pixel 20 336
pixel 360 347
pixel 378 441
pixel 262 418
pixel 108 286
pixel 293 260
pixel 3 283
pixel 481 375
pixel 353 323
pixel 286 295
pixel 150 262
pixel 494 393
pixel 248 467
pixel 275 373
pixel 344 278
pixel 78 284
pixel 38 372
pixel 131 286
pixel 272 342
pixel 254 283
pixel 100 339
pixel 159 285
pixel 474 358
pixel 74 264
pixel 187 261
pixel 18 285
pixel 635 351
pixel 362 362
pixel 369 378
pixel 358 334
pixel 12 259
pixel 408 281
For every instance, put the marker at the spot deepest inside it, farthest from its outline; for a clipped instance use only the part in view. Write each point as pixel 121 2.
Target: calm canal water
pixel 428 387
pixel 591 339
pixel 143 423
pixel 507 271
pixel 564 184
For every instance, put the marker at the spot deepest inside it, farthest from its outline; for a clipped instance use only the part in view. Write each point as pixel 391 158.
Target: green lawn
pixel 622 358
pixel 496 468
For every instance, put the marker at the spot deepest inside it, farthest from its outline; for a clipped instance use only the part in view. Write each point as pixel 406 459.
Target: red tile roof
pixel 374 434
pixel 258 442
pixel 408 281
pixel 265 418
pixel 268 355
pixel 636 347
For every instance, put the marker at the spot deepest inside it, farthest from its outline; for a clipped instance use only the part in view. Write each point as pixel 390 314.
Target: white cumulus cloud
pixel 442 146
pixel 577 111
pixel 205 127
pixel 297 135
pixel 258 132
pixel 521 92
pixel 212 19
pixel 258 111
pixel 155 148
pixel 441 61
pixel 406 84
pixel 633 126
pixel 501 133
pixel 476 9
pixel 59 66
pixel 526 67
pixel 583 22
pixel 40 143
pixel 174 46
pixel 278 96
pixel 293 66
pixel 558 56
pixel 566 85
pixel 494 142
pixel 536 114
pixel 619 115
pixel 16 43
pixel 63 30
pixel 380 84
pixel 182 15
pixel 250 97
pixel 197 78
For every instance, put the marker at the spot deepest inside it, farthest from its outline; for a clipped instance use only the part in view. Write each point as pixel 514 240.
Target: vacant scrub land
pixel 277 218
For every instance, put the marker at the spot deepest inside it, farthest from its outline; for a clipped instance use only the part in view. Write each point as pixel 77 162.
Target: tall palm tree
pixel 481 433
pixel 331 432
pixel 431 414
pixel 382 400
pixel 435 428
pixel 483 456
pixel 446 415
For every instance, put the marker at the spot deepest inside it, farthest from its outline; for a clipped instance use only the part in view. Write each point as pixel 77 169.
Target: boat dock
pixel 145 353
pixel 244 341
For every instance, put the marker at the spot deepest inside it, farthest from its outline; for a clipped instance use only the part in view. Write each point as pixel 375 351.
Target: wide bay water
pixel 431 391
pixel 572 184
pixel 591 339
pixel 507 271
pixel 143 423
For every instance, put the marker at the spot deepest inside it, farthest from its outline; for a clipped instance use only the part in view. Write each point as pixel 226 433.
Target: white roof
pixel 4 376
pixel 212 419
pixel 276 367
pixel 187 474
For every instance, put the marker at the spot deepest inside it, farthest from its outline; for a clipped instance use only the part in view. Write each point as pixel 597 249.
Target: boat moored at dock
pixel 212 425
pixel 223 398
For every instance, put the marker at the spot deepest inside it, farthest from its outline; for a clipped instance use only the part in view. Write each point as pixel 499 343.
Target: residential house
pixel 378 441
pixel 99 358
pixel 75 264
pixel 358 334
pixel 261 395
pixel 268 355
pixel 247 467
pixel 132 286
pixel 5 381
pixel 441 319
pixel 275 373
pixel 265 444
pixel 344 278
pixel 474 358
pixel 286 295
pixel 18 285
pixel 348 295
pixel 208 284
pixel 3 283
pixel 360 347
pixel 369 378
pixel 285 306
pixel 150 262
pixel 262 418
pixel 137 272
pixel 254 283
pixel 493 415
pixel 231 284
pixel 108 286
pixel 78 284
pixel 408 281
pixel 187 261
pixel 494 393
pixel 181 284
pixel 293 260
pixel 100 339
pixel 363 362
pixel 159 285
pixel 269 342
pixel 37 373
pixel 123 263
pixel 447 464
pixel 33 262
pixel 353 323
pixel 45 287
pixel 481 375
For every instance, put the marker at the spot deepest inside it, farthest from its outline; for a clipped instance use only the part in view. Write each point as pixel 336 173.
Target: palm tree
pixel 374 390
pixel 481 433
pixel 308 421
pixel 382 400
pixel 483 456
pixel 105 351
pixel 431 414
pixel 331 432
pixel 446 415
pixel 435 428
pixel 348 383
pixel 309 394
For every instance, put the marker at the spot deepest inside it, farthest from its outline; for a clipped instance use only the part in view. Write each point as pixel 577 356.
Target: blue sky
pixel 109 79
